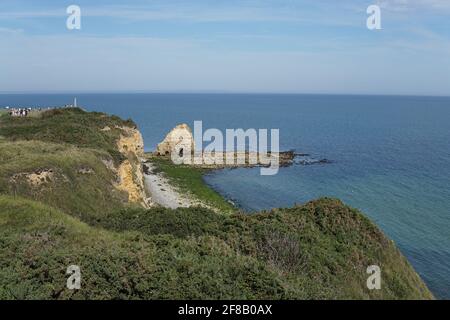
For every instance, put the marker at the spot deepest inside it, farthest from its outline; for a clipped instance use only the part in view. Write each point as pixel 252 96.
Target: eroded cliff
pixel 130 173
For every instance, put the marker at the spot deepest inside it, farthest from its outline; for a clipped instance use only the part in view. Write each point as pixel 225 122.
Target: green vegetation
pixel 80 184
pixel 72 126
pixel 72 145
pixel 190 180
pixel 317 251
pixel 59 206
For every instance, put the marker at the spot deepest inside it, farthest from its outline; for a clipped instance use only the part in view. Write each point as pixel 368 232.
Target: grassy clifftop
pixel 67 126
pixel 74 214
pixel 67 158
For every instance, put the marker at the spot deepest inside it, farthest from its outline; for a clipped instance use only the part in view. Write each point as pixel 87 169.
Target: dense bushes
pixel 37 243
pixel 299 253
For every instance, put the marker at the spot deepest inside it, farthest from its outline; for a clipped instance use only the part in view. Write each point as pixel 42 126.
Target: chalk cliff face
pixel 130 173
pixel 130 141
pixel 179 141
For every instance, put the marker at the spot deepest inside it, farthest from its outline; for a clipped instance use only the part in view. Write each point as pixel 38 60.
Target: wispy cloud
pixel 414 5
pixel 311 12
pixel 274 45
pixel 244 10
pixel 10 31
pixel 184 12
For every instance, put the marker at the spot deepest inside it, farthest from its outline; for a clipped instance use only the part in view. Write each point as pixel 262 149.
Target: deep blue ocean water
pixel 390 156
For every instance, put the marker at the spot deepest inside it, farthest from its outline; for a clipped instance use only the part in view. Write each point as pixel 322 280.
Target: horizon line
pixel 31 92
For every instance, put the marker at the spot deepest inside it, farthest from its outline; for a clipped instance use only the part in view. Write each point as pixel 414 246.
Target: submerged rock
pixel 312 161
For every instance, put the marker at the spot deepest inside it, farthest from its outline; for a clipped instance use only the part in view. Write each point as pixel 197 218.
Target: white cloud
pixel 415 5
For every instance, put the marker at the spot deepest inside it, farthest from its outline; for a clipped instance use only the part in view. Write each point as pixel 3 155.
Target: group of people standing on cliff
pixel 20 112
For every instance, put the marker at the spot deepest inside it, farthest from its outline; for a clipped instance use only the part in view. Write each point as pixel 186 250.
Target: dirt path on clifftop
pixel 163 193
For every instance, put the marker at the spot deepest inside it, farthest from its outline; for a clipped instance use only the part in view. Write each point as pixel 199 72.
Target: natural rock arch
pixel 179 141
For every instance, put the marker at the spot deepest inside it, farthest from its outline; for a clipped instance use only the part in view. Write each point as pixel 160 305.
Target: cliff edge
pixel 81 162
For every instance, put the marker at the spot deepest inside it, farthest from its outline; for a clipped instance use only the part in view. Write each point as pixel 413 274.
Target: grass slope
pixel 77 193
pixel 71 126
pixel 68 142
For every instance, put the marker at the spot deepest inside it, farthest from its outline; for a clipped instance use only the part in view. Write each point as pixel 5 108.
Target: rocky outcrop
pixel 130 172
pixel 40 177
pixel 130 182
pixel 179 141
pixel 35 179
pixel 130 141
pixel 85 170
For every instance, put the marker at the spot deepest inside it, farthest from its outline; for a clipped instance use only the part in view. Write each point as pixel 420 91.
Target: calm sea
pixel 390 156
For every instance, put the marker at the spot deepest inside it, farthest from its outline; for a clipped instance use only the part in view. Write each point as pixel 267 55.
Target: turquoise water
pixel 390 156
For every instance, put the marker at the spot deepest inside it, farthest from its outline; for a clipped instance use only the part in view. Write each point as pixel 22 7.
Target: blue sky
pixel 285 46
